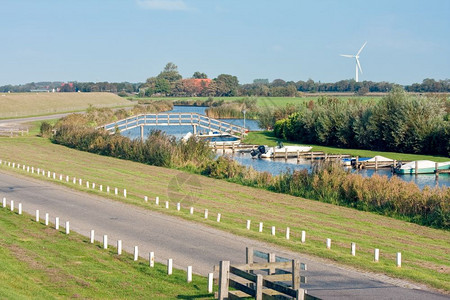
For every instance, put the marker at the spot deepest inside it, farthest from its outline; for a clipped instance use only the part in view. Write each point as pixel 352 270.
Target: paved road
pixel 189 243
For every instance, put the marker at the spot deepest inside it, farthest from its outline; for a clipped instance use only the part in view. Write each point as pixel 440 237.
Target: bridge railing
pixel 173 119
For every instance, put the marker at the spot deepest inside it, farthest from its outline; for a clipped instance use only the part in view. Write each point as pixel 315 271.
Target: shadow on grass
pixel 202 296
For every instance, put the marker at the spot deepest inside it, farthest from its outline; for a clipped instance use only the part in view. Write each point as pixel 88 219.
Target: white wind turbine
pixel 358 65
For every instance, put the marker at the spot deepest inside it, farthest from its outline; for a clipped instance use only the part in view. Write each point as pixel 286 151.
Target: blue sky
pixel 131 40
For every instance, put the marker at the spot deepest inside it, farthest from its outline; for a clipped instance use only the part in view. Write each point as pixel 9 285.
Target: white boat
pixel 279 151
pixel 423 167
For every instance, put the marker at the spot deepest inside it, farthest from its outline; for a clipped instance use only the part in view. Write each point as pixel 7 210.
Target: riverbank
pixel 268 138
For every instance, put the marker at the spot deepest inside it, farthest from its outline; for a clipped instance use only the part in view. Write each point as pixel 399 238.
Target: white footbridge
pixel 213 126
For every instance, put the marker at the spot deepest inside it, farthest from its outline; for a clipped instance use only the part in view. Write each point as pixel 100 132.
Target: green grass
pixel 43 263
pixel 261 101
pixel 16 105
pixel 425 251
pixel 268 138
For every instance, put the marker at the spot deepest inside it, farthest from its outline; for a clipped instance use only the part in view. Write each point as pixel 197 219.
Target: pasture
pixel 35 104
pixel 425 251
pixel 41 262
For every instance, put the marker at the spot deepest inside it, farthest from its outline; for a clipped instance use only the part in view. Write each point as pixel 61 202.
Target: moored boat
pixel 423 167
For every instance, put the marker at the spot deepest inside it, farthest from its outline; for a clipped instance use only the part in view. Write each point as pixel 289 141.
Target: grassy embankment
pixel 41 262
pixel 425 251
pixel 261 101
pixel 268 138
pixel 35 104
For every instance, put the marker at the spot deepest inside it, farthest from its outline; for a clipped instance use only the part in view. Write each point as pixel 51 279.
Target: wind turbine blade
pixel 347 55
pixel 361 49
pixel 359 65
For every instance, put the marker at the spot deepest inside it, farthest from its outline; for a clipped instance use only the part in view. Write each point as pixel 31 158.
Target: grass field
pixel 262 101
pixel 39 262
pixel 34 104
pixel 425 251
pixel 268 138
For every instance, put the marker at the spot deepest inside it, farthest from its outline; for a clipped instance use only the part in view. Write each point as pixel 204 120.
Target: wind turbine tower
pixel 357 65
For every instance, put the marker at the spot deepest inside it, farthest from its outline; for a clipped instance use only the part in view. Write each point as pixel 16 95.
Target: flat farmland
pixel 35 104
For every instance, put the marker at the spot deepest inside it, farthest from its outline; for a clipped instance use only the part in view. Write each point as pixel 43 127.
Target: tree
pixel 170 73
pixel 198 75
pixel 227 85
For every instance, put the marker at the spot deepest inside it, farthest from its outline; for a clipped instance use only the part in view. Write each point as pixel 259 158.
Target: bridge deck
pixel 176 119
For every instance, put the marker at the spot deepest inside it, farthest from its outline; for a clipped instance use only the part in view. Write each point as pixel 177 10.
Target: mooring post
pixel 376 163
pixel 416 167
pixel 436 169
pixel 142 133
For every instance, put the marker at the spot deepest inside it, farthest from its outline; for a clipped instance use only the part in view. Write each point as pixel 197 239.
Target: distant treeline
pixel 327 182
pixel 170 83
pixel 399 122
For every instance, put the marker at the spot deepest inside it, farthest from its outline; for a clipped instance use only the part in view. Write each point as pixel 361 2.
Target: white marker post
pixel 151 259
pixel 145 198
pixel 210 282
pixel 92 236
pixel 74 180
pixel 218 217
pixel 273 230
pixel 119 247
pixel 67 227
pixel 288 233
pixel 60 177
pixel 48 174
pixel 4 202
pixel 260 226
pixel 178 206
pixel 189 274
pixel 57 223
pixel 116 191
pixel 136 253
pixel 191 210
pixel 54 175
pixel 157 200
pixel 80 182
pixel 37 215
pixel 93 185
pixel 303 236
pixel 67 178
pixel 169 266
pixel 107 189
pixel 101 188
pixel 206 214
pixel 46 219
pixel 376 255
pixel 399 259
pixel 12 205
pixel 20 208
pixel 105 241
pixel 328 243
pixel 353 249
pixel 248 224
pixel 87 184
pixel 125 193
pixel 167 204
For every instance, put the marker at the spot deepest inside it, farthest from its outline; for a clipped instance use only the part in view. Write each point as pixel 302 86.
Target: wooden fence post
pixel 271 259
pixel 224 276
pixel 300 294
pixel 259 287
pixel 249 255
pixel 295 274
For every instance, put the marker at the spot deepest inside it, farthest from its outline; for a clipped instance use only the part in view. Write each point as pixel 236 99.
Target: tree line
pixel 399 122
pixel 169 82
